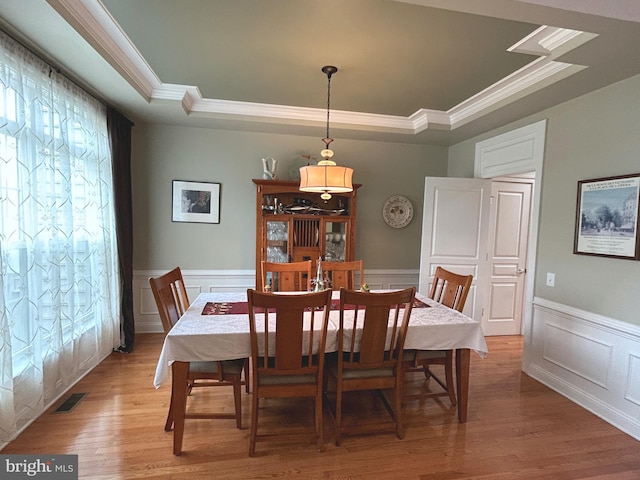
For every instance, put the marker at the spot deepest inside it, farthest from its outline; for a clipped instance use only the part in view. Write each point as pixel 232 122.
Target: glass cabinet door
pixel 277 241
pixel 335 241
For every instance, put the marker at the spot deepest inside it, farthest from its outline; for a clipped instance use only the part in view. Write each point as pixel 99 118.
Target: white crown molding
pixel 96 25
pixel 546 42
pixel 559 41
pixel 91 19
pixel 194 104
pixel 530 78
pixel 551 41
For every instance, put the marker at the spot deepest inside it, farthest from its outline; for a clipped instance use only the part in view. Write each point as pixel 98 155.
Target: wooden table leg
pixel 180 372
pixel 462 381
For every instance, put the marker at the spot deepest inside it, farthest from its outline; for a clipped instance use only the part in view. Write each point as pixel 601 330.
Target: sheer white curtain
pixel 59 288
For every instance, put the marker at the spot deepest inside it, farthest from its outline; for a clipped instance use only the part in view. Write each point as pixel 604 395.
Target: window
pixel 59 288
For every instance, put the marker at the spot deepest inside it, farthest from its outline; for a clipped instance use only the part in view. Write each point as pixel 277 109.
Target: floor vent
pixel 70 403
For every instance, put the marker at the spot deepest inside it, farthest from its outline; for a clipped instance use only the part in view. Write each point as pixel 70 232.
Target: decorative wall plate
pixel 397 211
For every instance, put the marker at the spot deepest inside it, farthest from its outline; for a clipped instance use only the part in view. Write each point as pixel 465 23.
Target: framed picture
pixel 607 217
pixel 197 202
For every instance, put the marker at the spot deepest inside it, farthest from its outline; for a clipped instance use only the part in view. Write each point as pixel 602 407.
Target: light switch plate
pixel 551 279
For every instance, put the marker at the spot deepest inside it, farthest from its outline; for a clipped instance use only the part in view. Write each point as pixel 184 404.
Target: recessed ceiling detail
pixel 98 27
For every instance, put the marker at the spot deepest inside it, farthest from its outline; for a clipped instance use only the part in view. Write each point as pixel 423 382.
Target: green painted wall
pixel 165 153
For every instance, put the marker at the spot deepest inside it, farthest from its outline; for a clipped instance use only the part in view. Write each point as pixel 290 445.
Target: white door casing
pixel 455 233
pixel 508 235
pixel 515 152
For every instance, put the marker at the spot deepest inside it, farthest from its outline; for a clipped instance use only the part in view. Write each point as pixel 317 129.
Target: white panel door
pixel 508 236
pixel 455 232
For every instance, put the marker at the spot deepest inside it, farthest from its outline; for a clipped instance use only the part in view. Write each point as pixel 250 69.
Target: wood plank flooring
pixel 516 429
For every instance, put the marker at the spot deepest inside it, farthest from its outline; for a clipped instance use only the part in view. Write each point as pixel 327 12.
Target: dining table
pixel 215 327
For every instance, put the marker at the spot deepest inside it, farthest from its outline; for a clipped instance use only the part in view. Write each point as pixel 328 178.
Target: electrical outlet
pixel 551 279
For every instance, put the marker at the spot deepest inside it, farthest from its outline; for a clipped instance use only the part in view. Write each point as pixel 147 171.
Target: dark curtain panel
pixel 120 139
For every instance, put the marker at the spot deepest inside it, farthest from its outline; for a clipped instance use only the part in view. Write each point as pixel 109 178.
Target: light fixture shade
pixel 326 179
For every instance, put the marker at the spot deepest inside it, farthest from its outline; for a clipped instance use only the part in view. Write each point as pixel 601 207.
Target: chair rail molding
pixel 198 281
pixel 591 359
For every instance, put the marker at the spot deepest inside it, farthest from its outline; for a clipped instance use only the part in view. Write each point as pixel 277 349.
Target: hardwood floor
pixel 516 429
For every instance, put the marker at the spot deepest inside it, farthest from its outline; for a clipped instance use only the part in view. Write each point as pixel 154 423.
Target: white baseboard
pixel 198 281
pixel 591 359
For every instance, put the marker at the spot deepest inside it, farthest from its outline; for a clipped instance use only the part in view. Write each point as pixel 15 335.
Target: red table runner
pixel 240 308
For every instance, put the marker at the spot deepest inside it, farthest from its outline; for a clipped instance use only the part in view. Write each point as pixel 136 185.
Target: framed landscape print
pixel 607 217
pixel 197 202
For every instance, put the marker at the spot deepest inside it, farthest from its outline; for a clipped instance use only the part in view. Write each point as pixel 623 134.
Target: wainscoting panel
pixel 563 348
pixel 633 385
pixel 197 281
pixel 591 359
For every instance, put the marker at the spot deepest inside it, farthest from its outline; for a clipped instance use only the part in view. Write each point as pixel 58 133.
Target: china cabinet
pixel 292 226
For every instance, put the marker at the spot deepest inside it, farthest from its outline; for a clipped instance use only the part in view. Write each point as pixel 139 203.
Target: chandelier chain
pixel 328 101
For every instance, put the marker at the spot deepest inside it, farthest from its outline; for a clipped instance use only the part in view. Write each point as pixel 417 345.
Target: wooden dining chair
pixel 171 299
pixel 288 338
pixel 343 274
pixel 450 289
pixel 287 277
pixel 371 335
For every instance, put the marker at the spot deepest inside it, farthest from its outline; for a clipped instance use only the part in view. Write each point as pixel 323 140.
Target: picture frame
pixel 607 217
pixel 196 202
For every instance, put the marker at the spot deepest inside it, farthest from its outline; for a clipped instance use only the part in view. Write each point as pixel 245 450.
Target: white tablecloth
pixel 198 337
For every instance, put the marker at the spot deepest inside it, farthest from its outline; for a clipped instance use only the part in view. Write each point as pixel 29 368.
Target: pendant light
pixel 326 177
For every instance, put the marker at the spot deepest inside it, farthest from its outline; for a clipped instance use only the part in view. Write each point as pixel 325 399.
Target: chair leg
pixel 237 392
pixel 447 385
pixel 448 372
pixel 179 387
pixel 338 414
pixel 319 422
pixel 398 409
pixel 169 423
pixel 254 423
pixel 246 375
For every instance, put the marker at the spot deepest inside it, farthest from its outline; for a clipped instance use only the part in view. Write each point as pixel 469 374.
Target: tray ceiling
pixel 413 71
